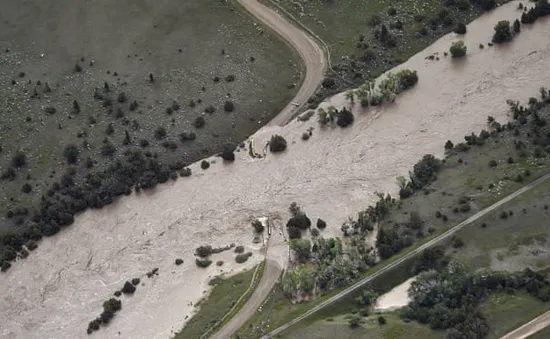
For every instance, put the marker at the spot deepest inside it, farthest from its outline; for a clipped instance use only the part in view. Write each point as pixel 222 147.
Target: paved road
pixel 530 328
pixel 413 253
pixel 310 52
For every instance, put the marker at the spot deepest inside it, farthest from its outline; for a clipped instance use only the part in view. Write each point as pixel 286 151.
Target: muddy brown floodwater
pixel 60 287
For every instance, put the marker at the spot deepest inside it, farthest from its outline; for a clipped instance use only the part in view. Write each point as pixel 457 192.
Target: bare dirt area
pixel 334 174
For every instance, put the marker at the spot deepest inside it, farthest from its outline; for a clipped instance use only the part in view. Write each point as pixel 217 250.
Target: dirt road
pixel 308 49
pixel 276 259
pixel 530 328
pixel 411 254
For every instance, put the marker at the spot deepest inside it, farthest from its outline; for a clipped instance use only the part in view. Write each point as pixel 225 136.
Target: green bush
pixel 203 263
pixel 229 106
pixel 502 32
pixel 239 249
pixel 179 261
pixel 458 49
pixel 243 257
pixel 344 118
pixel 205 164
pixel 460 28
pixel 19 159
pixel 277 144
pixel 203 251
pixel 128 288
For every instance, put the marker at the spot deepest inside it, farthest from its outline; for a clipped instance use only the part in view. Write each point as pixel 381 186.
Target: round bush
pixel 460 28
pixel 205 164
pixel 458 49
pixel 277 144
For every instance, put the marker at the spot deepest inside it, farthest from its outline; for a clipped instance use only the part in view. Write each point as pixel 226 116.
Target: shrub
pixel 203 251
pixel 392 11
pixel 243 257
pixel 458 49
pixel 277 144
pixel 8 174
pixel 457 242
pixel 27 188
pixel 328 83
pixel 354 321
pixel 179 261
pixel 19 159
pixel 517 26
pixel 5 266
pixel 502 32
pixel 71 153
pixel 230 78
pixel 406 79
pixel 31 245
pixel 128 288
pixel 493 163
pixel 382 320
pixel 219 263
pixel 344 118
pixel 239 249
pixel 199 122
pixel 460 28
pixel 205 164
pixel 229 106
pixel 305 136
pixel 228 155
pixel 503 215
pixel 203 263
pixel 186 172
pixel 258 226
pixel 122 98
pixel 321 224
pixel 160 133
pixel 144 143
pixel 187 136
pixel 135 281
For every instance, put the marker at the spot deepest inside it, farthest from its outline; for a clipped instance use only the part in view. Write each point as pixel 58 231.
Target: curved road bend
pixel 310 52
pixel 411 254
pixel 532 327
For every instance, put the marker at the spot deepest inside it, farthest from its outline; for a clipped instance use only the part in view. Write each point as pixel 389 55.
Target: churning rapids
pixel 60 287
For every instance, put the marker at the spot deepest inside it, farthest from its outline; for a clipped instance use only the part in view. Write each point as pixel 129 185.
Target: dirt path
pixel 530 328
pixel 310 52
pixel 276 259
pixel 410 255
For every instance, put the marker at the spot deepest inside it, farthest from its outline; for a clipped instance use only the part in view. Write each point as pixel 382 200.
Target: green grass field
pixel 224 295
pixel 200 54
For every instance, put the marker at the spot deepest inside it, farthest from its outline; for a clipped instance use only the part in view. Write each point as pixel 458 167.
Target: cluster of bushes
pixel 203 252
pixel 541 8
pixel 390 241
pixel 424 172
pixel 298 222
pixel 110 307
pixel 440 299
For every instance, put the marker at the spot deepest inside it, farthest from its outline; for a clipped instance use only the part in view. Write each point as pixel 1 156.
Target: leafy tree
pixel 199 122
pixel 160 133
pixel 229 106
pixel 258 226
pixel 302 248
pixel 205 164
pixel 344 118
pixel 128 288
pixel 502 32
pixel 321 224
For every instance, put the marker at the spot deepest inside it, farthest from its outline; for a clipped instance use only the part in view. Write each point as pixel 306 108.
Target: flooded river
pixel 61 286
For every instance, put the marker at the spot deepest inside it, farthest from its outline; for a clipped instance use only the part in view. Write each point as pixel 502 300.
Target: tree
pixel 449 145
pixel 19 159
pixel 228 154
pixel 382 320
pixel 277 144
pixel 328 83
pixel 517 26
pixel 460 28
pixel 122 98
pixel 160 133
pixel 502 32
pixel 199 122
pixel 229 106
pixel 127 140
pixel 321 224
pixel 205 164
pixel 128 288
pixel 302 248
pixel 344 118
pixel 71 153
pixel 458 49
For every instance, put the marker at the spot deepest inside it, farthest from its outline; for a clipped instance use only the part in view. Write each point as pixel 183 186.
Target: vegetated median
pixel 81 133
pixel 438 194
pixel 227 297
